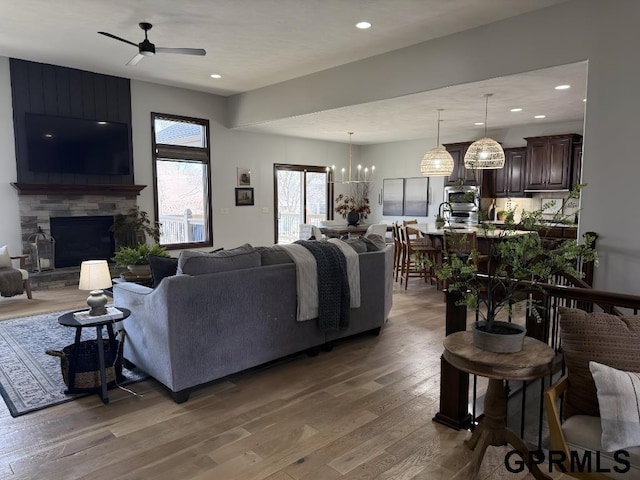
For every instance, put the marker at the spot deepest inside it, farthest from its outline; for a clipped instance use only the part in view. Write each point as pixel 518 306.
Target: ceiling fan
pixel 146 48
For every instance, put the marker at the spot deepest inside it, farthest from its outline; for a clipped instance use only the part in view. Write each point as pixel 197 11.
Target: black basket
pixel 88 364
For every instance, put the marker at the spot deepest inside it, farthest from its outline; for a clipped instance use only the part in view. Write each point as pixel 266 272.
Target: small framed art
pixel 244 177
pixel 244 196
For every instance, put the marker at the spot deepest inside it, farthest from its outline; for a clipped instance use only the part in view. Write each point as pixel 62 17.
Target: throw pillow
pixel 201 263
pixel 599 337
pixel 374 243
pixel 162 267
pixel 619 400
pixel 5 258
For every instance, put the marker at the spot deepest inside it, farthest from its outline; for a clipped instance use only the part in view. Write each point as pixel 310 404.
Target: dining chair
pixel 414 255
pixel 377 229
pixel 308 230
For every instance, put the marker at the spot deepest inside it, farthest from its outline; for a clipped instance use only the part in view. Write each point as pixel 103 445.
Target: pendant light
pixel 437 162
pixel 485 153
pixel 362 175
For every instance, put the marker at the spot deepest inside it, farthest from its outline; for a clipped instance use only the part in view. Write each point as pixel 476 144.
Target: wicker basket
pixel 88 367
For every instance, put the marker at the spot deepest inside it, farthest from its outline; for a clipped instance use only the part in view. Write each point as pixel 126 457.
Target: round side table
pixel 532 362
pixel 68 320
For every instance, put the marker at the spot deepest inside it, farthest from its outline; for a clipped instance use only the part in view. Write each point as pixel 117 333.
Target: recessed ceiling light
pixel 363 25
pixel 479 124
pixel 48 135
pixel 102 123
pixel 563 87
pixel 584 99
pixel 539 116
pixel 215 75
pixel 516 110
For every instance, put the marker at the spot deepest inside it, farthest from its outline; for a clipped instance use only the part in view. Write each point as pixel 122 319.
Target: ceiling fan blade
pixel 134 61
pixel 118 38
pixel 184 51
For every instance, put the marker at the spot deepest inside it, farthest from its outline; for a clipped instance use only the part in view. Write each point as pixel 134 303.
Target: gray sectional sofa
pixel 192 329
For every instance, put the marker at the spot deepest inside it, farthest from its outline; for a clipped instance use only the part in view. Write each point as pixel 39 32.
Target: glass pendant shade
pixel 436 162
pixel 484 154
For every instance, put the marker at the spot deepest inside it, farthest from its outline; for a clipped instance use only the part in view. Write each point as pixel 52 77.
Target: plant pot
pixel 506 337
pixel 353 218
pixel 140 270
pixel 439 224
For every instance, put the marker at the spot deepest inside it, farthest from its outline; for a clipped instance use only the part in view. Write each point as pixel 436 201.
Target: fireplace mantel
pixel 73 189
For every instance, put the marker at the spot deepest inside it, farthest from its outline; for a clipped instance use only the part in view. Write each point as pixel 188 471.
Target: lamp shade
pixel 484 154
pixel 436 162
pixel 94 275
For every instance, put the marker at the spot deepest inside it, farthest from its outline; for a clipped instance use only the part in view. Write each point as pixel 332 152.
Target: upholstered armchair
pixel 13 281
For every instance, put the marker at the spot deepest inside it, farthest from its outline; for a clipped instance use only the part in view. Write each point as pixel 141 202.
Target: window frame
pixel 162 151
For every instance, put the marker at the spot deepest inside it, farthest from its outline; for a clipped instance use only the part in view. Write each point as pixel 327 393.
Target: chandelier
pixel 485 153
pixel 437 161
pixel 362 175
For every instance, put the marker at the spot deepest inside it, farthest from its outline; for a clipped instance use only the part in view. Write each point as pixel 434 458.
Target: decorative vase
pixel 353 218
pixel 504 338
pixel 439 224
pixel 140 270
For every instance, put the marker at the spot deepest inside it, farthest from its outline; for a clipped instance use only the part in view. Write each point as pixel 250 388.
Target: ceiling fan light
pixel 484 154
pixel 436 162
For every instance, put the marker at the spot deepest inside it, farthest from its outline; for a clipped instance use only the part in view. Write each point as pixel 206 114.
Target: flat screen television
pixel 76 146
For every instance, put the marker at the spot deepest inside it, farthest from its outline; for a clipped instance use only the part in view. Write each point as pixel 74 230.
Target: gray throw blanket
pixel 333 285
pixel 10 282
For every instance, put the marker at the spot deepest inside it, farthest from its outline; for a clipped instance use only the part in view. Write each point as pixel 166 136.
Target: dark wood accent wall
pixel 67 92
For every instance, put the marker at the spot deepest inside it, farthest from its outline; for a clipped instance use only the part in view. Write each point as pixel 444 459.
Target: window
pixel 303 195
pixel 182 180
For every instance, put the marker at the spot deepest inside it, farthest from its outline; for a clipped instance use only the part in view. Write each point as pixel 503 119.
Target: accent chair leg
pixel 27 287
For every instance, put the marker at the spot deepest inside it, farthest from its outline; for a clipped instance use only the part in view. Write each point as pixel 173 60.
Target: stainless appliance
pixel 465 203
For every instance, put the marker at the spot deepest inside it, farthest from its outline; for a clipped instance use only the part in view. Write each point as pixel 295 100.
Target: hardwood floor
pixel 361 411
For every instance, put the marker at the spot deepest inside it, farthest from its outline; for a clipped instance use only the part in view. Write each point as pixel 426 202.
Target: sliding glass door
pixel 302 195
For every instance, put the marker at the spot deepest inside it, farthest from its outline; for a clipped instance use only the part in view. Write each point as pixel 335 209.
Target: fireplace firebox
pixel 82 238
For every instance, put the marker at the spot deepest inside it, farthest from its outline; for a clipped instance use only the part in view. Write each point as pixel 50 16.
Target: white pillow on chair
pixel 619 402
pixel 5 258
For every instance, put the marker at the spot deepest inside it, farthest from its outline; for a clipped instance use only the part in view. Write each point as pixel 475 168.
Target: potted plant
pixel 135 258
pixel 132 228
pixel 520 260
pixel 440 220
pixel 354 207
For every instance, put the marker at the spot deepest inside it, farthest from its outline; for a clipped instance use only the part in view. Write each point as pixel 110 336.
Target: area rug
pixel 30 379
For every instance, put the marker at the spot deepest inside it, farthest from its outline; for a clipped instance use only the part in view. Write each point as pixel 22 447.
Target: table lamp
pixel 94 276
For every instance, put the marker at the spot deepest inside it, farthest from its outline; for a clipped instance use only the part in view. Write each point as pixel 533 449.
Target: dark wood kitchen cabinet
pixel 468 177
pixel 549 162
pixel 509 181
pixel 577 164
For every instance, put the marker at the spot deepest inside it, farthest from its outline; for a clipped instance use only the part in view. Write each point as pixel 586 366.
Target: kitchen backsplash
pixel 568 206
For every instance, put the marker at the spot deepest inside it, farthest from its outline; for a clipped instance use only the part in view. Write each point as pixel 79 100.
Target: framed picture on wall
pixel 393 197
pixel 244 177
pixel 244 196
pixel 416 196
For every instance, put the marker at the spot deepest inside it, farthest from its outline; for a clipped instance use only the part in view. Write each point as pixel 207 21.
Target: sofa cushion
pixel 161 267
pixel 201 263
pixel 619 402
pixel 608 339
pixel 5 258
pixel 273 255
pixel 374 243
pixel 357 244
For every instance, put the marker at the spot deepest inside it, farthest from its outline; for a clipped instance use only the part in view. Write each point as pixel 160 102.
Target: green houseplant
pixel 132 228
pixel 521 259
pixel 132 257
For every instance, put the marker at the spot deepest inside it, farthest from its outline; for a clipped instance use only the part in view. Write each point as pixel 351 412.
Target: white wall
pixel 229 150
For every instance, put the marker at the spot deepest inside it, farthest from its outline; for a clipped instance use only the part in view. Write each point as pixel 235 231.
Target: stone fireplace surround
pixel 37 209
